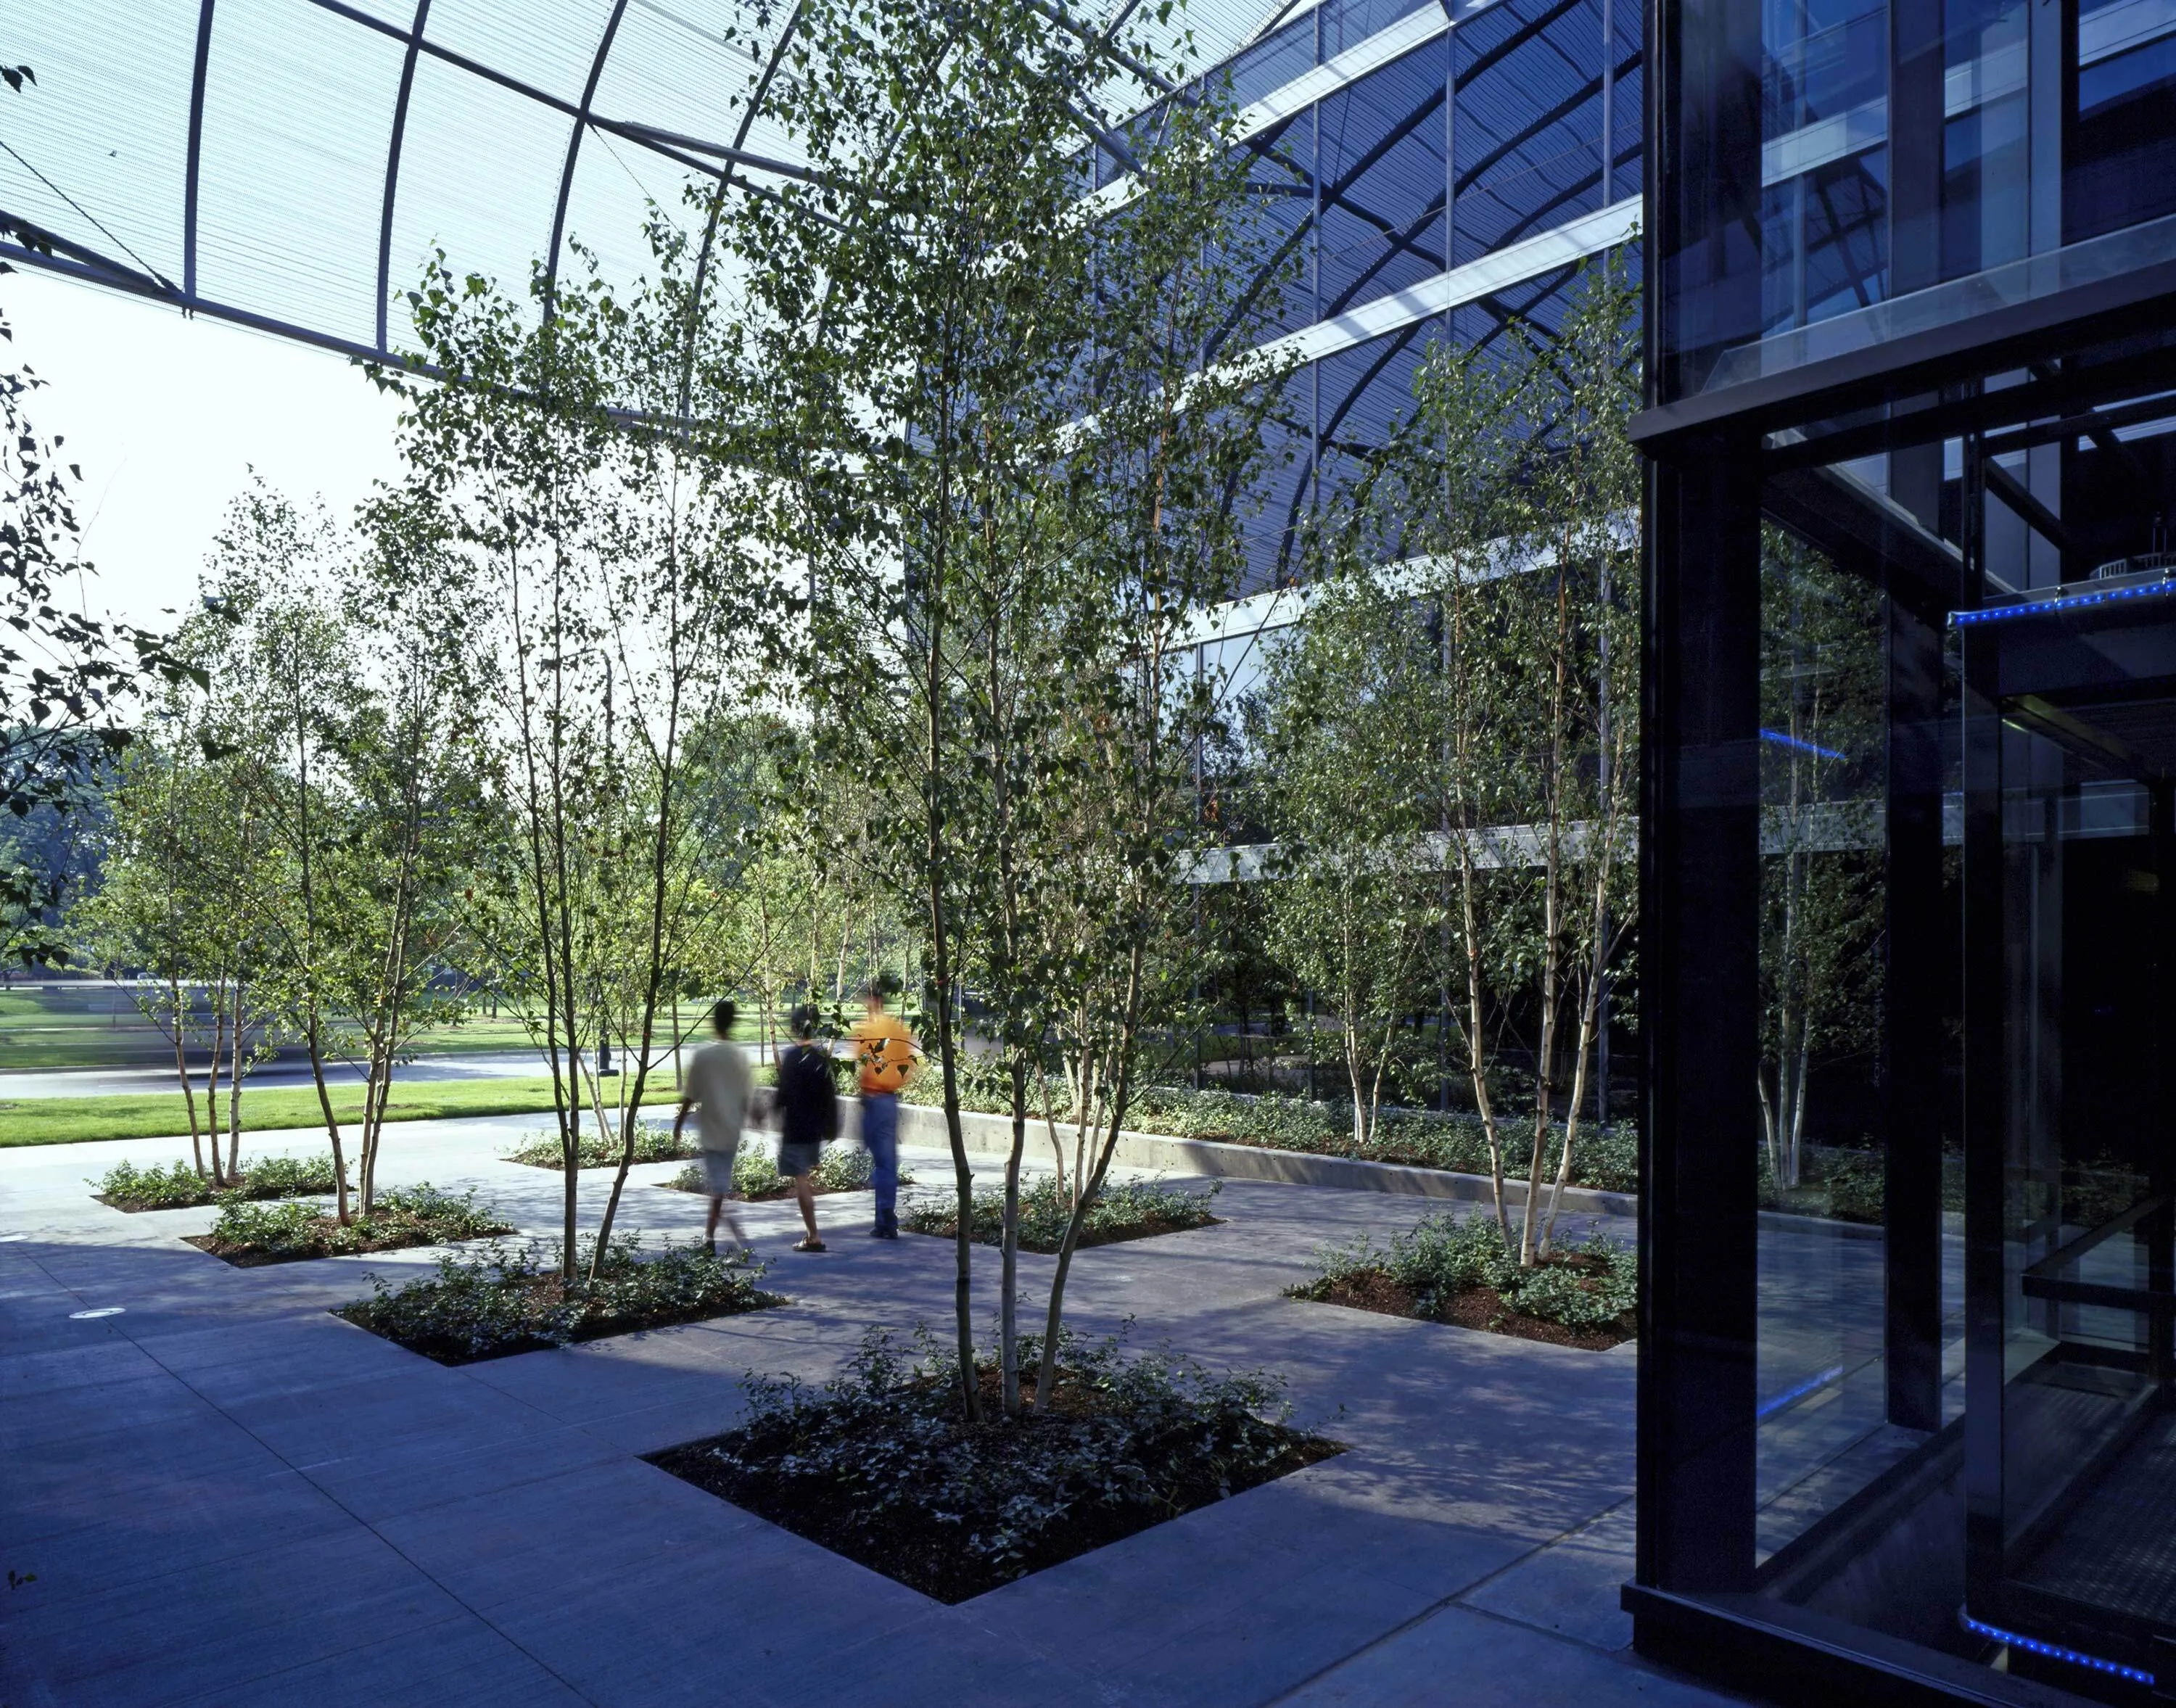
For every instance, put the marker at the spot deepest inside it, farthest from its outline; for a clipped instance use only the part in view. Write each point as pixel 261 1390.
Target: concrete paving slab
pixel 339 1520
pixel 1497 1664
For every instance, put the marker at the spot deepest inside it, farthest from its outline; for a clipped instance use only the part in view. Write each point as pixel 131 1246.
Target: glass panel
pixel 1822 1393
pixel 1823 168
pixel 1273 62
pixel 1348 23
pixel 1527 135
pixel 1986 164
pixel 2119 157
pixel 95 59
pixel 1384 180
pixel 1627 98
pixel 2088 698
pixel 292 168
pixel 551 49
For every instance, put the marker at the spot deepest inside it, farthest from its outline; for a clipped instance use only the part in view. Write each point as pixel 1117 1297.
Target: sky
pixel 167 414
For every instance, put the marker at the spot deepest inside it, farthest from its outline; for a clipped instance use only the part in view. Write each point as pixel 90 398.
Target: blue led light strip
pixel 2055 1651
pixel 1791 1396
pixel 1799 744
pixel 2067 601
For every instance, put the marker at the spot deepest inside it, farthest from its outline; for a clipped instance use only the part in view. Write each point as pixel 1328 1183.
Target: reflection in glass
pixel 1822 1393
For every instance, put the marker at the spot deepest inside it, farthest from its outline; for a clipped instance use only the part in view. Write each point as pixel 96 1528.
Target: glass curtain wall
pixel 1908 1365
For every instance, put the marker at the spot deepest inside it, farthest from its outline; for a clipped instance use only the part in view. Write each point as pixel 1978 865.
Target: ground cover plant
pixel 652 1144
pixel 881 1466
pixel 1138 1209
pixel 247 1234
pixel 842 1168
pixel 180 1187
pixel 163 1115
pixel 1455 1269
pixel 508 1299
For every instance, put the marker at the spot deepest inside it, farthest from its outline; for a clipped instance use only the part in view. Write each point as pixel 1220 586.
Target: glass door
pixel 2071 859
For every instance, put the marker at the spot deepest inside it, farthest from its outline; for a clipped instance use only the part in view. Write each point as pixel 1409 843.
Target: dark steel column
pixel 1699 840
pixel 1700 855
pixel 2161 1227
pixel 1918 935
pixel 1986 1084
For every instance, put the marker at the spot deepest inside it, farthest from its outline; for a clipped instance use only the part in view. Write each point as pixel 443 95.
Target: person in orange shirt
pixel 885 1053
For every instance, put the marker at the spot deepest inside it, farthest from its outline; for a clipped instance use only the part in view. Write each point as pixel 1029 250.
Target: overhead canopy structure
pixel 293 164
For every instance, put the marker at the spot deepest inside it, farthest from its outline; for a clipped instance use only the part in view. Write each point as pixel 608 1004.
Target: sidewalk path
pixel 230 1497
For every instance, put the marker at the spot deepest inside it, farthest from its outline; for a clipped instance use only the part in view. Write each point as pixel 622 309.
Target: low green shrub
pixel 250 1233
pixel 878 1466
pixel 1133 1211
pixel 1594 1285
pixel 180 1187
pixel 842 1168
pixel 653 1143
pixel 510 1299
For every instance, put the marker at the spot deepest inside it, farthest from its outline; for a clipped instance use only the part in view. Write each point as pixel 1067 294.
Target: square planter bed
pixel 881 1466
pixel 127 1188
pixel 1456 1270
pixel 495 1303
pixel 653 1143
pixel 249 1234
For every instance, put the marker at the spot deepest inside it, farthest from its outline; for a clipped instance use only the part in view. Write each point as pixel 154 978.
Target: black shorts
pixel 795 1161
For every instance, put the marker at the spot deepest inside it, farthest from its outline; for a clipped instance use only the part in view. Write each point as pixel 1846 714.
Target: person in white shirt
pixel 716 1087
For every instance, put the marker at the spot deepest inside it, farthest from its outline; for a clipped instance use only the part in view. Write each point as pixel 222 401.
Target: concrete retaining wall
pixel 924 1127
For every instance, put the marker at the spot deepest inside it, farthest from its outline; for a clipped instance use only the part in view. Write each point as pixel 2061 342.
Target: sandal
pixel 809 1245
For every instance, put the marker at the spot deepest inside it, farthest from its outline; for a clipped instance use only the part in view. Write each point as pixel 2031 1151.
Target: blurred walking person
pixel 807 1115
pixel 885 1051
pixel 716 1087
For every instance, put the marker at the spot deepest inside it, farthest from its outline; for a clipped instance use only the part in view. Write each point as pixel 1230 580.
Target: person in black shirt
pixel 807 1115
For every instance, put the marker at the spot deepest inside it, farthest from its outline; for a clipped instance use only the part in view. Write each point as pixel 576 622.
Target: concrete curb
pixel 923 1126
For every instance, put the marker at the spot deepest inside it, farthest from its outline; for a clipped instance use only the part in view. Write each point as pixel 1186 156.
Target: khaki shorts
pixel 718 1173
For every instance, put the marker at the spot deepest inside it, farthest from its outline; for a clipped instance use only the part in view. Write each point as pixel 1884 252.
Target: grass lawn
pixel 159 1114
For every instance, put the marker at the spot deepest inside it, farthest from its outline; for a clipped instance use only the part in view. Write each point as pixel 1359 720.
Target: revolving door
pixel 2069 877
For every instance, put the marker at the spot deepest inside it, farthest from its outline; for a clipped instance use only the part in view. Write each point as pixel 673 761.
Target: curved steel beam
pixel 756 97
pixel 196 150
pixel 1312 467
pixel 1337 194
pixel 393 165
pixel 574 153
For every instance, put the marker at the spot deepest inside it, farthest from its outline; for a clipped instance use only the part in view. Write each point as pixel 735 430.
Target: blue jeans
pixel 880 1133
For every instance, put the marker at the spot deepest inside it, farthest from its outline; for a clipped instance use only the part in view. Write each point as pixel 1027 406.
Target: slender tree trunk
pixel 1009 1277
pixel 211 1079
pixel 1057 1145
pixel 182 1071
pixel 1046 1385
pixel 234 1090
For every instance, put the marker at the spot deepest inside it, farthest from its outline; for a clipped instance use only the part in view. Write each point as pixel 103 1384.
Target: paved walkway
pixel 228 1496
pixel 287 1070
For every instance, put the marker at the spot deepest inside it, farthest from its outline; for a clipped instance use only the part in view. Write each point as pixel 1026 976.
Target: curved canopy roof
pixel 291 164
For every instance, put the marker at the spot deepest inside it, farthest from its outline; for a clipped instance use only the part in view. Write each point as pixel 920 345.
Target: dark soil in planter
pixel 497 1304
pixel 1473 1307
pixel 884 1471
